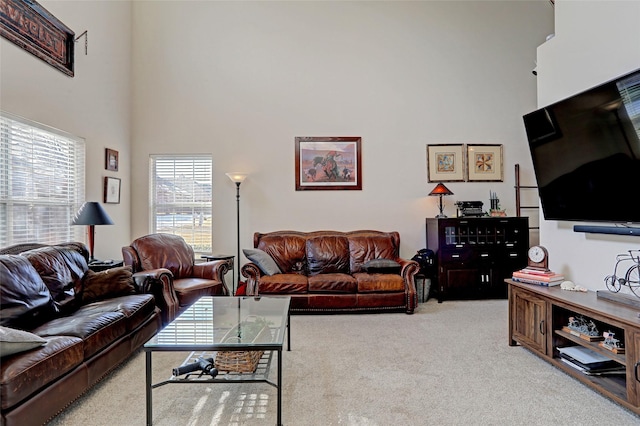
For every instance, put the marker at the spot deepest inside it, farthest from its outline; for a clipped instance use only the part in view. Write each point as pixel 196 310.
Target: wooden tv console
pixel 537 315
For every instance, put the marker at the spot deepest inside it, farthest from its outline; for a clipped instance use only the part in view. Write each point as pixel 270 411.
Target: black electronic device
pixel 469 208
pixel 586 153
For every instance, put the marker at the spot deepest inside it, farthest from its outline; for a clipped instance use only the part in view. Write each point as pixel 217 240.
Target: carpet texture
pixel 448 364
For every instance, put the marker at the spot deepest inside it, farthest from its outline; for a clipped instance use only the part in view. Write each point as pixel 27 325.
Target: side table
pixel 99 266
pixel 231 257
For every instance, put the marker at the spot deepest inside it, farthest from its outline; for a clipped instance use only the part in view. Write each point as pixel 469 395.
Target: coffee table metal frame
pixel 261 375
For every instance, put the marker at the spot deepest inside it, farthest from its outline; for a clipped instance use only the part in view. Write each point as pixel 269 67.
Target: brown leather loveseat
pixel 63 328
pixel 330 271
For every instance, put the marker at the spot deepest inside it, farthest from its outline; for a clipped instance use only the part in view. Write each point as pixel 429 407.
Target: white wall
pixel 95 104
pixel 241 80
pixel 595 41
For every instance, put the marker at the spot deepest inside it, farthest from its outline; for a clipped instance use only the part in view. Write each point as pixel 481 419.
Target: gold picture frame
pixel 484 163
pixel 445 163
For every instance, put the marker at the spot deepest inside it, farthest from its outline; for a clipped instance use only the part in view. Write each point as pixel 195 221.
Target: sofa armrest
pixel 214 270
pixel 409 270
pixel 159 283
pixel 253 274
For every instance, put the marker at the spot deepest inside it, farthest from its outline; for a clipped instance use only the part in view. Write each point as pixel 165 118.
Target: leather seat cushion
pixel 332 283
pixel 284 284
pixel 96 329
pixel 137 308
pixel 369 283
pixel 25 373
pixel 189 290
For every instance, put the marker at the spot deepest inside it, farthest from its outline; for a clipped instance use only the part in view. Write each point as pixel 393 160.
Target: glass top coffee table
pixel 230 339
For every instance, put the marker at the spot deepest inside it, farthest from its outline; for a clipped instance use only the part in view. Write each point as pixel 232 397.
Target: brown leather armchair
pixel 169 263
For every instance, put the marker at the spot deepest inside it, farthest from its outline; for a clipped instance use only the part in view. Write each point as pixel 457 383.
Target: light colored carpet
pixel 448 364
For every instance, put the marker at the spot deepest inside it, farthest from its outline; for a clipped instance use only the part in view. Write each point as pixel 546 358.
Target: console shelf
pixel 537 315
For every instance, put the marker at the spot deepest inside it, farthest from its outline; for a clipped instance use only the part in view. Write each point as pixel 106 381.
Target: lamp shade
pixel 91 213
pixel 237 177
pixel 440 189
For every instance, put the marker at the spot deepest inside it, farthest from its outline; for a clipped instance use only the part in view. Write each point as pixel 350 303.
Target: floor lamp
pixel 91 213
pixel 237 178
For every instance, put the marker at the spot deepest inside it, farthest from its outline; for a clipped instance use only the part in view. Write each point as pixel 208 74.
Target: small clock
pixel 538 258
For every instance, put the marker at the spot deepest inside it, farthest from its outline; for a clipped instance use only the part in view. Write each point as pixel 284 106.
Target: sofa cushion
pixel 14 341
pixel 96 329
pixel 23 374
pixel 25 301
pixel 377 283
pixel 332 283
pixel 382 266
pixel 136 307
pixel 283 284
pixel 288 251
pixel 327 255
pixel 61 266
pixel 112 282
pixel 264 261
pixel 365 247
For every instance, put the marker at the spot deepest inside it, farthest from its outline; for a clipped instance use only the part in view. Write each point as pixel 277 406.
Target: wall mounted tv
pixel 586 154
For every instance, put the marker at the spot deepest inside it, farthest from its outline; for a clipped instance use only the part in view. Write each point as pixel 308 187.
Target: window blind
pixel 181 198
pixel 42 181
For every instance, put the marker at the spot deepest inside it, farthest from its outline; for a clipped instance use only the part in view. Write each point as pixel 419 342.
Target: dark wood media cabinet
pixel 475 254
pixel 537 315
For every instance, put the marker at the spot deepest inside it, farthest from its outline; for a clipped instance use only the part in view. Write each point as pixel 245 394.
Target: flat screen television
pixel 586 153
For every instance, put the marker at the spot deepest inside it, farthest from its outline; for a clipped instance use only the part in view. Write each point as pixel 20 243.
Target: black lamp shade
pixel 91 213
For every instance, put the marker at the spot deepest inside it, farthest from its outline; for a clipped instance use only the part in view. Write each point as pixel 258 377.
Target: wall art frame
pixel 111 159
pixel 328 163
pixel 484 163
pixel 45 36
pixel 112 190
pixel 445 163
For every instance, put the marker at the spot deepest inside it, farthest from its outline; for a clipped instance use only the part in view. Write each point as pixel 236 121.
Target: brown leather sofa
pixel 72 341
pixel 330 271
pixel 168 264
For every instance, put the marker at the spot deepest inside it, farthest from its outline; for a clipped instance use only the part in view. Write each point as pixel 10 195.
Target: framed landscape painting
pixel 485 163
pixel 445 163
pixel 328 163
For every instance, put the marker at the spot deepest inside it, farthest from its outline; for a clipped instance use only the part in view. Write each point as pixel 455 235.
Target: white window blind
pixel 181 198
pixel 41 182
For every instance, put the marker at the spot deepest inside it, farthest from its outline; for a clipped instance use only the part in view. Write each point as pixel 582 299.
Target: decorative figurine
pixel 610 341
pixel 582 326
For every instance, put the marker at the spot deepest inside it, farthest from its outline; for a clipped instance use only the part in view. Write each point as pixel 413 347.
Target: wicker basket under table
pixel 241 361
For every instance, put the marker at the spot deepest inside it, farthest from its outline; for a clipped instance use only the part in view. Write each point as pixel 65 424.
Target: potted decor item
pixel 253 329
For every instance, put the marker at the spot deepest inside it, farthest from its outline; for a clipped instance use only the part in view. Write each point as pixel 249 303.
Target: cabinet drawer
pixel 456 256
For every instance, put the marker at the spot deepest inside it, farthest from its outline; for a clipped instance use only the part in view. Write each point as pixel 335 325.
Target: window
pixel 41 182
pixel 181 198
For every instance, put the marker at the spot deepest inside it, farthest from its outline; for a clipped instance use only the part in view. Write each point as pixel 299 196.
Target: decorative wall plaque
pixel 34 29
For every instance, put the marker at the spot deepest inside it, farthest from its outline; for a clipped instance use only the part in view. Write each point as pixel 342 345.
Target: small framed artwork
pixel 445 163
pixel 111 159
pixel 111 190
pixel 325 163
pixel 484 163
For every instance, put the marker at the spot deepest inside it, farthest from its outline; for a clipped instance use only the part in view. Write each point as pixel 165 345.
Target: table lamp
pixel 91 213
pixel 441 191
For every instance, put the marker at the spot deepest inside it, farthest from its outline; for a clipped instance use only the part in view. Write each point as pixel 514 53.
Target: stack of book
pixel 589 362
pixel 537 276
